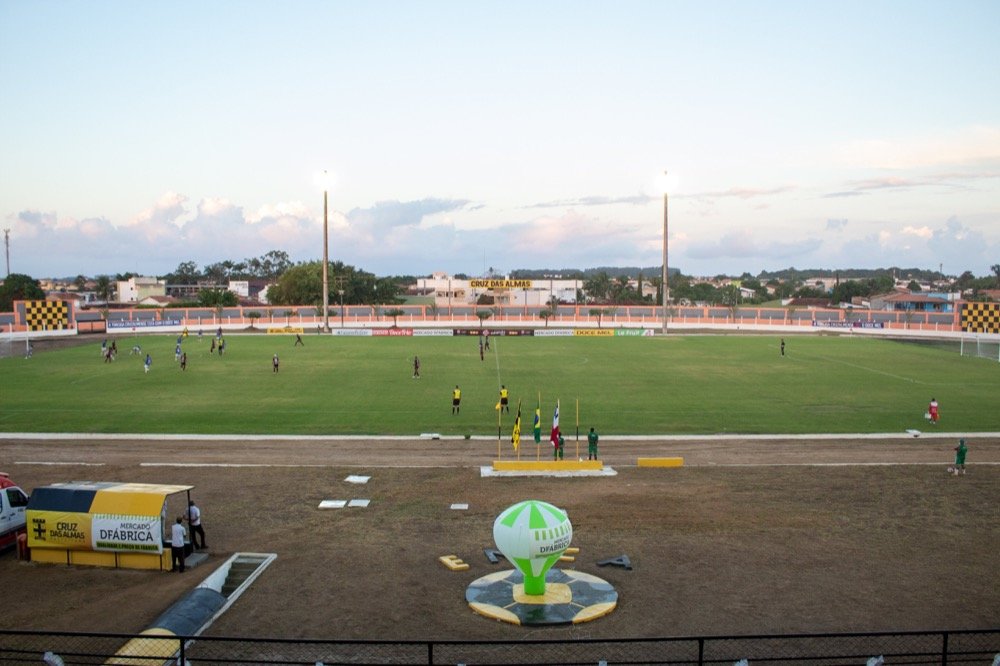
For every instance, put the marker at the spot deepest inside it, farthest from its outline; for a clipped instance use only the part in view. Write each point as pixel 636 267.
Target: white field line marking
pixel 38 462
pixel 863 367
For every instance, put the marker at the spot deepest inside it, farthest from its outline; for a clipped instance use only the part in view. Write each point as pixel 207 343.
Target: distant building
pixel 904 301
pixel 135 289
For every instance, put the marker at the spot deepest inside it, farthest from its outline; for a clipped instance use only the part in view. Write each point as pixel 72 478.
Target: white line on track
pixel 42 462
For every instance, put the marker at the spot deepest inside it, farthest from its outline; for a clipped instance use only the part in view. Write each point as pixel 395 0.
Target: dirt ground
pixel 750 536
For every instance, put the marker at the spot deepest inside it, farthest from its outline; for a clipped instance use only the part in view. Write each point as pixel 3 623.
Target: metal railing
pixel 924 647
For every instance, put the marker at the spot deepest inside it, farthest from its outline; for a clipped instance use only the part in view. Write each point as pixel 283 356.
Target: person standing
pixel 960 452
pixel 782 346
pixel 184 361
pixel 222 346
pixel 456 400
pixel 177 534
pixel 298 340
pixel 416 367
pixel 592 438
pixel 274 363
pixel 211 349
pixel 148 362
pixel 194 520
pixel 487 340
pixel 932 410
pixel 560 447
pixel 504 399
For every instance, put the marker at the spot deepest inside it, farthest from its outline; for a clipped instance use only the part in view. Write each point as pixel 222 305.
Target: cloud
pixel 920 232
pixel 169 208
pixel 959 146
pixel 836 224
pixel 744 192
pixel 743 244
pixel 596 200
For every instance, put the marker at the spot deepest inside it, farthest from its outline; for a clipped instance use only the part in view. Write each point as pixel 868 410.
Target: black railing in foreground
pixel 919 647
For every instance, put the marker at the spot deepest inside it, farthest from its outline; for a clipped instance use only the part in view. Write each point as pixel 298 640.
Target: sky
pixel 470 135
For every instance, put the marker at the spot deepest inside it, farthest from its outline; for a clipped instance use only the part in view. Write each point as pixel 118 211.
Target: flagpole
pixel 538 413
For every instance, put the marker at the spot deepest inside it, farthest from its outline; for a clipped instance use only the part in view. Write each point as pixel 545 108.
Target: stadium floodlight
pixel 326 180
pixel 666 184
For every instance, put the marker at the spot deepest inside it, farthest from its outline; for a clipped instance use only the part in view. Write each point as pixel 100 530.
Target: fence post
pixel 701 651
pixel 430 653
pixel 944 648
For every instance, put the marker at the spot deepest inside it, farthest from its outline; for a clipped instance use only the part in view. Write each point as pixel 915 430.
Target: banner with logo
pixel 126 533
pixel 58 529
pixel 392 332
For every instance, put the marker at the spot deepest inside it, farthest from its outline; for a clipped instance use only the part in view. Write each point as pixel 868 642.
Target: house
pixel 158 301
pixel 135 289
pixel 905 301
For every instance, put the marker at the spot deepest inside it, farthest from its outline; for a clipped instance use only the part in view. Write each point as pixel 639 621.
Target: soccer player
pixel 298 341
pixel 184 361
pixel 274 363
pixel 456 400
pixel 932 409
pixel 148 362
pixel 416 367
pixel 504 398
pixel 782 346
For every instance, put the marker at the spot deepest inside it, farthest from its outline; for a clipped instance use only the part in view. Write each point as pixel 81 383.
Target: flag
pixel 554 437
pixel 515 437
pixel 538 424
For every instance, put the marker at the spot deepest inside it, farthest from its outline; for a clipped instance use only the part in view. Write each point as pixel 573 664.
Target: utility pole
pixel 6 244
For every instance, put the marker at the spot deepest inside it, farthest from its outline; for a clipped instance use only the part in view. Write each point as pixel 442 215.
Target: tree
pixel 996 272
pixel 913 286
pixel 186 273
pixel 483 316
pixel 103 288
pixel 19 287
pixel 545 315
pixel 395 313
pixel 217 298
pixel 80 282
pixel 598 287
pixel 253 316
pixel 299 285
pixel 596 312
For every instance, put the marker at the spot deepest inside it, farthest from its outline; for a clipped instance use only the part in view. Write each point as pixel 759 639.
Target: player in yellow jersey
pixel 456 400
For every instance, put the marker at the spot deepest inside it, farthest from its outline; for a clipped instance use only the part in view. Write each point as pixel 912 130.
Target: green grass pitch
pixel 625 386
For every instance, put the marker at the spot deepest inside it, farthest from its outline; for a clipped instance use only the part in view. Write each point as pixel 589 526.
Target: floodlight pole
pixel 665 276
pixel 326 261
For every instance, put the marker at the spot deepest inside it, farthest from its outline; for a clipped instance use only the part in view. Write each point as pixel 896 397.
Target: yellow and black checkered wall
pixel 46 315
pixel 981 317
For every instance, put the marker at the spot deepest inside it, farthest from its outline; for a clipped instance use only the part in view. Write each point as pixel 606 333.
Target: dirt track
pixel 811 536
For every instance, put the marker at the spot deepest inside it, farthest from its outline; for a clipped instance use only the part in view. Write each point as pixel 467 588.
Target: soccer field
pixel 623 386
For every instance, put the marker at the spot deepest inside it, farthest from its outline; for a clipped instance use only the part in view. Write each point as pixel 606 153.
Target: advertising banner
pixel 426 332
pixel 120 533
pixel 392 332
pixel 500 284
pixel 554 332
pixel 494 331
pixel 633 332
pixel 848 324
pixel 286 330
pixel 142 323
pixel 360 332
pixel 58 529
pixel 595 332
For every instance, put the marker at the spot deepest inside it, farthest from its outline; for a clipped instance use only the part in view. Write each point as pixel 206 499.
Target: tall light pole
pixel 665 277
pixel 667 182
pixel 326 258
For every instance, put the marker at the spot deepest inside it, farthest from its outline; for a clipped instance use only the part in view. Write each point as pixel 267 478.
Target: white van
pixel 13 502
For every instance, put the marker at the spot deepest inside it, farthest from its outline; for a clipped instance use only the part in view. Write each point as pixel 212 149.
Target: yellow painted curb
pixel 546 465
pixel 661 462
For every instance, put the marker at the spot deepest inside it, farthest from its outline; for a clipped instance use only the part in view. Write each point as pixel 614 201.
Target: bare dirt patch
pixel 748 537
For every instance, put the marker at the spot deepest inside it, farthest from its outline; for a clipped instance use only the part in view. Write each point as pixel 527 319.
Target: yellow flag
pixel 515 437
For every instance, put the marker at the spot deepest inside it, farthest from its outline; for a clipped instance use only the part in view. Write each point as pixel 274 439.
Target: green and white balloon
pixel 533 535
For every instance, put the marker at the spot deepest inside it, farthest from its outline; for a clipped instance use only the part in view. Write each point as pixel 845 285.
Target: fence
pixel 311 318
pixel 931 647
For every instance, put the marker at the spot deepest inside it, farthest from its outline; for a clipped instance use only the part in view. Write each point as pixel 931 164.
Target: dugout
pixel 105 524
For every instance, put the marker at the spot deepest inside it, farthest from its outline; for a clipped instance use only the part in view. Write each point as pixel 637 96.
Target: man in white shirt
pixel 194 520
pixel 177 534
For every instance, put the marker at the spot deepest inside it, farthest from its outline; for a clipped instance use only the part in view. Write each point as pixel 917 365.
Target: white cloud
pixel 169 208
pixel 921 232
pixel 959 146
